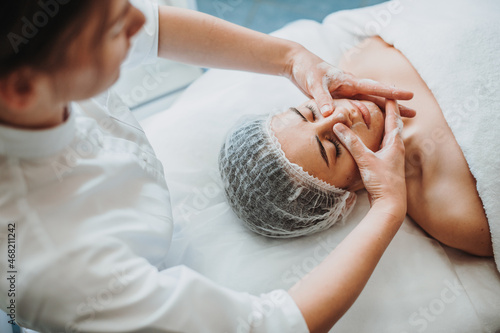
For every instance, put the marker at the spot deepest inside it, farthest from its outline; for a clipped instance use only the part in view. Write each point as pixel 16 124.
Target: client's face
pixel 307 139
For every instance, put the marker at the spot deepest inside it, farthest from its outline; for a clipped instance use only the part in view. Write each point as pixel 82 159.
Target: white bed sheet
pixel 418 286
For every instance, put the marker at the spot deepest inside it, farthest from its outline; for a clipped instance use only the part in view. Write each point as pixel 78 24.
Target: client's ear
pixel 19 90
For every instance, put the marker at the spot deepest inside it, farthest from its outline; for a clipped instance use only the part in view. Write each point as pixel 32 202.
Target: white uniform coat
pixel 87 211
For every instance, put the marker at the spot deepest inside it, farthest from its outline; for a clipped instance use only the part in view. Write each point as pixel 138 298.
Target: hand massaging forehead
pixel 271 195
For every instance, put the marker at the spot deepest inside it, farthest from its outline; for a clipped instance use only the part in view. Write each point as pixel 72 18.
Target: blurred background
pixel 269 15
pixel 262 15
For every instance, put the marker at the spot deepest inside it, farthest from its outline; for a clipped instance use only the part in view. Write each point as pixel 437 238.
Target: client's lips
pixel 364 112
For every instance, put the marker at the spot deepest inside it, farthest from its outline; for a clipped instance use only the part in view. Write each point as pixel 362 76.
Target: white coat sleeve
pixel 144 48
pixel 109 289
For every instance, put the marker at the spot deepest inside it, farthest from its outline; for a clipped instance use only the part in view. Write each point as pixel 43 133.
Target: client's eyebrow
pixel 322 151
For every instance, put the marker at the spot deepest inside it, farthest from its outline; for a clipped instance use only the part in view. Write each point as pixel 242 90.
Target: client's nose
pixel 325 125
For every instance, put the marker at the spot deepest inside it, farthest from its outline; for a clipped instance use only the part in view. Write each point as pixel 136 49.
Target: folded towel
pixel 455 47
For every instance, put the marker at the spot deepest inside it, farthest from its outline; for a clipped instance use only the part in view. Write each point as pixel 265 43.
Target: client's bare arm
pixel 197 38
pixel 326 293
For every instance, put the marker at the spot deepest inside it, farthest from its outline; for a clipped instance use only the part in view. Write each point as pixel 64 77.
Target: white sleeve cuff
pixel 144 48
pixel 275 312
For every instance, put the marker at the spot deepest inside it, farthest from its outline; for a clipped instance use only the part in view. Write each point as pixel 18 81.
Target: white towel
pixel 465 79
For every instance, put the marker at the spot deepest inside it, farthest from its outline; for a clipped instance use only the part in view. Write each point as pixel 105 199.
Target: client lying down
pixel 289 175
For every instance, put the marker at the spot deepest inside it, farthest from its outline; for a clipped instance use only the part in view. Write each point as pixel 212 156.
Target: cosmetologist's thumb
pixel 324 101
pixel 351 141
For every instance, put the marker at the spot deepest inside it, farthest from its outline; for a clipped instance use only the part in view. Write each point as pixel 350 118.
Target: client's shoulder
pixel 449 208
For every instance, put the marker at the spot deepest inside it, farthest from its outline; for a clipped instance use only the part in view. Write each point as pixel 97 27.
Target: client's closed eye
pixel 338 148
pixel 314 112
pixel 315 115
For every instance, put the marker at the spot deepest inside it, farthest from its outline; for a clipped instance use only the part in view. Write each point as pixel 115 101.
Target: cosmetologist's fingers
pixel 392 117
pixel 380 101
pixel 371 87
pixel 393 124
pixel 324 100
pixel 351 141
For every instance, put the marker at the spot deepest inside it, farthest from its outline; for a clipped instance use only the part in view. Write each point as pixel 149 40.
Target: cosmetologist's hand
pixel 319 80
pixel 382 172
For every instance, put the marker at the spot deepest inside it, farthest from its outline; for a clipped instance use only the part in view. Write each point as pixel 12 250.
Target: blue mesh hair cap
pixel 271 195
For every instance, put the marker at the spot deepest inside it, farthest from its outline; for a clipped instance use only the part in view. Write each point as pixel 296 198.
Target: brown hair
pixel 37 33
